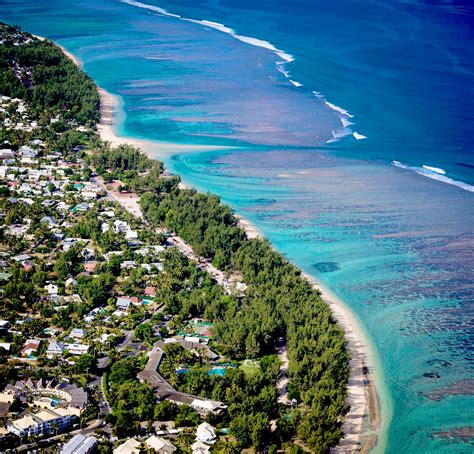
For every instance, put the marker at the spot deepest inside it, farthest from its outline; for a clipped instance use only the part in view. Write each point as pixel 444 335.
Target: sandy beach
pixel 364 418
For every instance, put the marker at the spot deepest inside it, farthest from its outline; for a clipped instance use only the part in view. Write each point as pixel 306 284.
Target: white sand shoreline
pixel 109 105
pixel 363 421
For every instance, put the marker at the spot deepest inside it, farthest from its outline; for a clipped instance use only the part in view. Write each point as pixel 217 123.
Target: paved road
pixel 126 342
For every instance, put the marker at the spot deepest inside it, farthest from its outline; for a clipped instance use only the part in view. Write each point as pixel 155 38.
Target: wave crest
pixel 435 174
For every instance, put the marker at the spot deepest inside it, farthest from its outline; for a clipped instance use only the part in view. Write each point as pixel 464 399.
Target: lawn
pixel 249 366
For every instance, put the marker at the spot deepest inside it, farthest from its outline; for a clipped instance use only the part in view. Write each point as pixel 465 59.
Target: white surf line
pixel 435 173
pixel 343 114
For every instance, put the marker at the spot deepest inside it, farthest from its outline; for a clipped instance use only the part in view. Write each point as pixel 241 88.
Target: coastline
pixel 110 105
pixel 364 418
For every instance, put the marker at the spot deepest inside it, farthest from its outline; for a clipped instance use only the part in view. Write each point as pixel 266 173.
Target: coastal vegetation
pixel 278 302
pixel 40 73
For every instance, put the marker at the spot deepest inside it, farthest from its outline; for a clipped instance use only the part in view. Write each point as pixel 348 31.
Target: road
pixel 128 201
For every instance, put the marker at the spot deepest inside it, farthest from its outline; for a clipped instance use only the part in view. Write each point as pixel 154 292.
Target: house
pixel 76 349
pixel 109 213
pixel 131 446
pixel 88 253
pixel 200 448
pixel 123 303
pixel 120 226
pixel 63 207
pixel 131 235
pixel 27 152
pixel 83 206
pixel 71 282
pixel 30 348
pixel 27 265
pixel 206 406
pixel 54 349
pixel 5 346
pixel 206 433
pixel 48 220
pixel 90 266
pixel 21 258
pixel 111 254
pixel 128 264
pixel 160 445
pixel 77 333
pixel 51 289
pixel 150 291
pixel 79 444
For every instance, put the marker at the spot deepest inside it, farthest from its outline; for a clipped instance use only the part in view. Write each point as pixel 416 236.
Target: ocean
pixel 351 132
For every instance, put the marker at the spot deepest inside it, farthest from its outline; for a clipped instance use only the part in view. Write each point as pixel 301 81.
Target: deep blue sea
pixel 333 109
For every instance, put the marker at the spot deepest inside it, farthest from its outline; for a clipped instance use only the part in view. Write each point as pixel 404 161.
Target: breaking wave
pixel 285 57
pixel 435 173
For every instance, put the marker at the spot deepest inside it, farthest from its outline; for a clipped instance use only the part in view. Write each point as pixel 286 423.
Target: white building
pixel 76 349
pixel 79 444
pixel 51 289
pixel 206 433
pixel 54 349
pixel 131 446
pixel 45 421
pixel 160 445
pixel 77 333
pixel 200 448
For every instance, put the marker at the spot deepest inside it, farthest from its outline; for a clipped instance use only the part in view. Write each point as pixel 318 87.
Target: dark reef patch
pixel 431 375
pixel 327 267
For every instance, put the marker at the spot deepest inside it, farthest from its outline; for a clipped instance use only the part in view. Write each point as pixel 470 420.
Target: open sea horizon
pixel 352 132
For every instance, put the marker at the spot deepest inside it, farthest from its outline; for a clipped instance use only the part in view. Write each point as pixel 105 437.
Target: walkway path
pixel 282 383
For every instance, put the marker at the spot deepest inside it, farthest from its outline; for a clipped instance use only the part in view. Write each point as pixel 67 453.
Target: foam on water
pixel 435 169
pixel 340 134
pixel 346 122
pixel 435 174
pixel 156 9
pixel 217 26
pixel 296 83
pixel 344 116
pixel 338 109
pixel 358 136
pixel 286 58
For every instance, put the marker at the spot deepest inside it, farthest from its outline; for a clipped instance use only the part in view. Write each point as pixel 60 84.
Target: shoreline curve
pixel 364 428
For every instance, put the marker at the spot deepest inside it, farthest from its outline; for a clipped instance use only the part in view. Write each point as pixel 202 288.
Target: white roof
pixel 24 423
pixel 6 397
pixel 200 448
pixel 129 447
pixel 205 433
pixel 158 443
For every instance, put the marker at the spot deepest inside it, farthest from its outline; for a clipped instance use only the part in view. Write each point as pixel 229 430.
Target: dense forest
pixel 278 302
pixel 40 73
